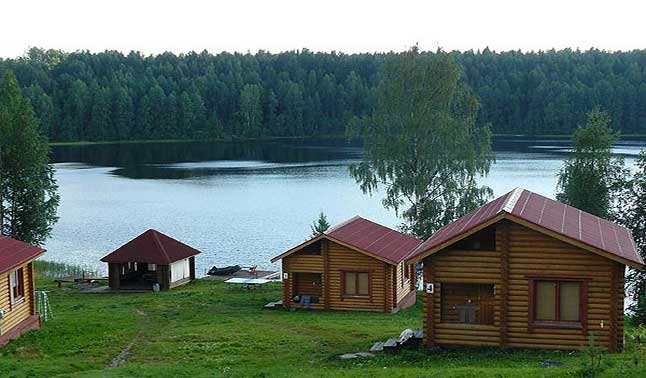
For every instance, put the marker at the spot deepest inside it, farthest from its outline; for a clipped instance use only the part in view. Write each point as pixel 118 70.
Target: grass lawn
pixel 206 329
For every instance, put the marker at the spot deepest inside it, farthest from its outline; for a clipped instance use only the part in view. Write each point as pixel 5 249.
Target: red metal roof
pixel 546 213
pixel 14 253
pixel 374 238
pixel 151 247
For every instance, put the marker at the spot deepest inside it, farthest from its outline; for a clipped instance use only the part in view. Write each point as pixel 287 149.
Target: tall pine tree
pixel 28 190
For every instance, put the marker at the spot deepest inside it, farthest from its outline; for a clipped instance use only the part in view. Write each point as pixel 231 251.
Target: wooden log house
pixel 526 271
pixel 150 258
pixel 17 297
pixel 356 265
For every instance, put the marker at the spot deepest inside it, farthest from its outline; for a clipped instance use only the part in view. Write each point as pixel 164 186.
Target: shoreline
pixel 270 139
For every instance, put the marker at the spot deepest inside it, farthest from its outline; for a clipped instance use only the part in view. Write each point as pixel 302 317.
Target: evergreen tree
pixel 250 112
pixel 632 214
pixel 421 146
pixel 320 225
pixel 28 190
pixel 198 111
pixel 592 177
pixel 305 94
pixel 184 113
pixel 294 110
pixel 99 126
pixel 122 113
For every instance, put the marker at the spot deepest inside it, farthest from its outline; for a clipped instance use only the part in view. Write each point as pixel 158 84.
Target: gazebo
pixel 150 258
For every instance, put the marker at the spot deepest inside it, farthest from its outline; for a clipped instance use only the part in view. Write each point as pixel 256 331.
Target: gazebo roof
pixel 151 247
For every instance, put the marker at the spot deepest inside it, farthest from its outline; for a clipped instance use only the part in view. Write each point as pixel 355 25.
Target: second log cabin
pixel 526 271
pixel 356 265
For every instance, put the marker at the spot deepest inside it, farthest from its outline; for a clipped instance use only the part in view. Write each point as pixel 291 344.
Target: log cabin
pixel 526 271
pixel 151 258
pixel 17 305
pixel 356 265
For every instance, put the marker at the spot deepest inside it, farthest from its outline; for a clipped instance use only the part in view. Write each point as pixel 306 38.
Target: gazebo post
pixel 114 273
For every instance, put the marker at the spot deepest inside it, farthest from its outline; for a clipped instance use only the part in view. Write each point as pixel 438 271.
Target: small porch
pixel 307 289
pixel 137 276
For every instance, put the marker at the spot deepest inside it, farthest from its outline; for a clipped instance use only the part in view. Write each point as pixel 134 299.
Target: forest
pixel 84 96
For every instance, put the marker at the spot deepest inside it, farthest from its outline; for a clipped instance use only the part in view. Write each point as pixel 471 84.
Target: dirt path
pixel 120 359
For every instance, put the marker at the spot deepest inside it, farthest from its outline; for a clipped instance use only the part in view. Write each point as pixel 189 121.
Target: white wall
pixel 179 270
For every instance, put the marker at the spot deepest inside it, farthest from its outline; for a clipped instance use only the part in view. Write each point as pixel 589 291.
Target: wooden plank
pixel 429 308
pixel 613 309
pixel 31 289
pixel 191 267
pixel 504 281
pixel 287 289
pixel 325 250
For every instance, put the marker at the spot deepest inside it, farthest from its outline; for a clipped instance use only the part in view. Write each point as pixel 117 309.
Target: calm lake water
pixel 241 203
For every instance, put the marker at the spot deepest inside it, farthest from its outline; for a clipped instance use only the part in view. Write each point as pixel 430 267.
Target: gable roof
pixel 14 253
pixel 151 247
pixel 545 215
pixel 367 237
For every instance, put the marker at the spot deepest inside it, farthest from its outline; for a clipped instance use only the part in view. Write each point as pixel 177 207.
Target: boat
pixel 225 271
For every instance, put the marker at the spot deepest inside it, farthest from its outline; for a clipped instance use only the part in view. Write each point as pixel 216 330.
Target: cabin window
pixel 404 274
pixel 356 284
pixel 17 283
pixel 484 240
pixel 152 267
pixel 313 249
pixel 467 303
pixel 557 301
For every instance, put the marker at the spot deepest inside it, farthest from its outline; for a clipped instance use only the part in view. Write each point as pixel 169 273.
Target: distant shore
pixel 137 141
pixel 269 139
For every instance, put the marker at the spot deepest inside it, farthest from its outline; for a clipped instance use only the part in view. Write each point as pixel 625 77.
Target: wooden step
pixel 276 304
pixel 377 347
pixel 391 344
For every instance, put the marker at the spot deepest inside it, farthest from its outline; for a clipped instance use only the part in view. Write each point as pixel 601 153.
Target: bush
pixel 593 357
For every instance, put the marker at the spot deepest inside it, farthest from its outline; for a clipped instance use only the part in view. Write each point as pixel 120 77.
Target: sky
pixel 348 26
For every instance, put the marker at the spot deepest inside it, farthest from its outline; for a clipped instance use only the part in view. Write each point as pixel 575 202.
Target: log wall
pixel 18 312
pixel 522 253
pixel 335 259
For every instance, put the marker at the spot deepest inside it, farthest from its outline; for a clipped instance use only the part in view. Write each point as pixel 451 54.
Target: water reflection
pixel 242 203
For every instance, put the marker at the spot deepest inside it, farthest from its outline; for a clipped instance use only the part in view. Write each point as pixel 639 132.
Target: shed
pixel 17 308
pixel 355 265
pixel 526 271
pixel 151 257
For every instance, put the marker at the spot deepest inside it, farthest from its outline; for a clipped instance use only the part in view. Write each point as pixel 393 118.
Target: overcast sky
pixel 349 26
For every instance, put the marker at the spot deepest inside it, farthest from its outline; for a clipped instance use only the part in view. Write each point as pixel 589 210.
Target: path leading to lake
pixel 120 359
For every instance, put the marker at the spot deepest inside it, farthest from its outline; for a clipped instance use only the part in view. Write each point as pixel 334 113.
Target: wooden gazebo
pixel 151 258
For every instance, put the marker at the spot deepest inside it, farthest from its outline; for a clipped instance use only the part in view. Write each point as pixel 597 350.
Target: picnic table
pixel 247 283
pixel 78 279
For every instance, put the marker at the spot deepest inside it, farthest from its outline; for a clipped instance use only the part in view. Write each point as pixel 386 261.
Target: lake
pixel 242 203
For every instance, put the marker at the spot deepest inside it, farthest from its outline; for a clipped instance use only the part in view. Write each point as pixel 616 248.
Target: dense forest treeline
pixel 111 96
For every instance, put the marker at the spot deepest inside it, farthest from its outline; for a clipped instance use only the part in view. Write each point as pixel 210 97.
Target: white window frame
pixel 13 282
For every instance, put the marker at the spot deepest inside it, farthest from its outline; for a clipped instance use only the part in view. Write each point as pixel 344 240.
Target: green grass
pixel 208 330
